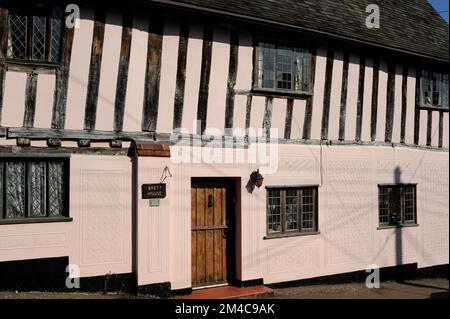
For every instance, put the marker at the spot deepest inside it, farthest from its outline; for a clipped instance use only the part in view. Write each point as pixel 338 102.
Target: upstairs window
pixel 434 89
pixel 282 68
pixel 35 37
pixel 32 189
pixel 397 205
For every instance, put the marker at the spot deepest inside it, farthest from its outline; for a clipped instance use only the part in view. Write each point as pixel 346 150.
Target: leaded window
pixel 291 210
pixel 282 68
pixel 397 204
pixel 434 89
pixel 33 188
pixel 35 37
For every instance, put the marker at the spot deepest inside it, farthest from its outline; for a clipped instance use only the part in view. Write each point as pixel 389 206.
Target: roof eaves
pixel 290 26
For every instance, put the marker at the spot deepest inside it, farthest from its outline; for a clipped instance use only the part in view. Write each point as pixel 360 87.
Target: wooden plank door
pixel 209 235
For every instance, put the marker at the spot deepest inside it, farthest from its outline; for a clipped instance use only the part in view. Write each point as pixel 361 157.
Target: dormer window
pixel 434 89
pixel 282 68
pixel 36 37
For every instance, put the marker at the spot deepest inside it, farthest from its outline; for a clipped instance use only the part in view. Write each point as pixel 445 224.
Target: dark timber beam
pixel 416 106
pixel 404 103
pixel 288 122
pixel 181 75
pixel 152 74
pixel 75 135
pixel 343 108
pixel 248 112
pixel 373 115
pixel 30 100
pixel 309 101
pixel 3 50
pixel 327 93
pixel 62 81
pixel 390 105
pixel 122 74
pixel 203 93
pixel 441 129
pixel 360 102
pixel 232 73
pixel 429 127
pixel 94 71
pixel 267 119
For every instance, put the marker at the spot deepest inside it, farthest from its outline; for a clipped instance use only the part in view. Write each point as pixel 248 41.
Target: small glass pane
pixel 266 75
pixel 56 188
pixel 273 214
pixel 39 26
pixel 1 190
pixel 291 210
pixel 444 92
pixel 56 35
pixel 308 209
pixel 15 190
pixel 284 68
pixel 17 37
pixel 436 81
pixel 384 204
pixel 409 203
pixel 37 189
pixel 301 71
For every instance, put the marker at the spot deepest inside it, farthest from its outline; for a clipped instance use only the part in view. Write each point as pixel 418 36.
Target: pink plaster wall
pixel 397 119
pixel 79 71
pixel 136 75
pixel 410 105
pixel 352 97
pixel 367 102
pixel 218 80
pixel 193 69
pixel 44 100
pixel 381 109
pixel 168 76
pixel 335 97
pixel 14 99
pixel 98 239
pixel 319 83
pixel 279 108
pixel 298 119
pixel 348 214
pixel 108 74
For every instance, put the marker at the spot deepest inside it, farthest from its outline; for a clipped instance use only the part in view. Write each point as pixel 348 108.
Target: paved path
pixel 411 289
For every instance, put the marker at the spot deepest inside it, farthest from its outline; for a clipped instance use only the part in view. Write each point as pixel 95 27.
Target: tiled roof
pixel 407 25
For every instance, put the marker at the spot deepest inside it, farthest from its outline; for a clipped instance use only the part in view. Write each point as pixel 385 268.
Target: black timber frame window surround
pixel 35 36
pixel 397 205
pixel 282 68
pixel 292 210
pixel 34 189
pixel 434 89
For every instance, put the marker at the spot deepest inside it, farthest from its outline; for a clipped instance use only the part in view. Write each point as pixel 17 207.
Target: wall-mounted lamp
pixel 257 178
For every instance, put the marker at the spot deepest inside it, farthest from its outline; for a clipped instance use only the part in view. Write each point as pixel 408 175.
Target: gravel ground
pixel 411 289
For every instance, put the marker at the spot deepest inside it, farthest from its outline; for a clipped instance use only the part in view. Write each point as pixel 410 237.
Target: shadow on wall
pixel 398 234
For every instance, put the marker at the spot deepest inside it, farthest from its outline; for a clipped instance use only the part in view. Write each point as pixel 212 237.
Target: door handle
pixel 225 232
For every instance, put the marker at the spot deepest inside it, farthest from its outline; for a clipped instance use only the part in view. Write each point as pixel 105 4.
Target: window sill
pixel 281 92
pixel 433 108
pixel 291 235
pixel 397 226
pixel 35 220
pixel 42 67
